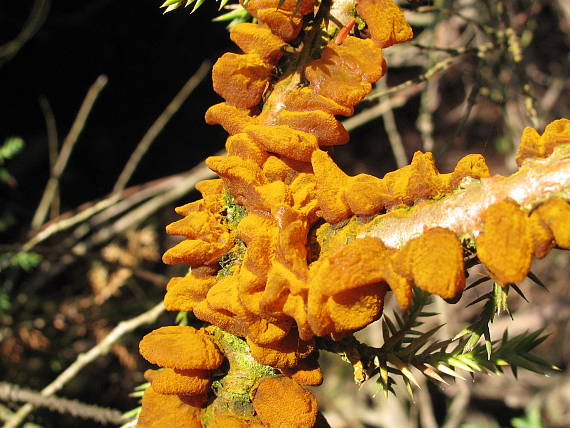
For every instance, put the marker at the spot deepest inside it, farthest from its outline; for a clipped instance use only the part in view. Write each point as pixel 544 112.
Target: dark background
pixel 147 57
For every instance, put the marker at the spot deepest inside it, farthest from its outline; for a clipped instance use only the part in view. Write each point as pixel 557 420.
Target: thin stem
pixel 159 124
pixel 391 128
pixel 379 109
pixel 66 149
pixel 53 146
pixel 459 404
pixel 170 192
pixel 436 68
pixel 34 22
pixel 83 360
pixel 6 413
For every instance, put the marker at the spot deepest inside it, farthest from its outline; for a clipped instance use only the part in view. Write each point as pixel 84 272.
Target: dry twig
pixel 66 149
pixel 83 360
pixel 159 125
pixel 10 392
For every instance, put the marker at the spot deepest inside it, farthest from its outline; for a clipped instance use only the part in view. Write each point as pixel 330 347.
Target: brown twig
pixel 159 124
pixel 13 393
pixel 436 68
pixel 66 149
pixel 34 22
pixel 53 147
pixel 391 128
pixel 168 194
pixel 379 109
pixel 83 360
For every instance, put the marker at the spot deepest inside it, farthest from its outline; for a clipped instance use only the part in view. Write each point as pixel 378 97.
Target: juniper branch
pixel 461 212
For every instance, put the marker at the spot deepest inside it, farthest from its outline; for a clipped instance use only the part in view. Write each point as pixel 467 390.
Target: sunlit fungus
pixel 180 347
pixel 505 244
pixel 385 21
pixel 534 145
pixel 181 382
pixel 159 411
pixel 281 402
pixel 284 249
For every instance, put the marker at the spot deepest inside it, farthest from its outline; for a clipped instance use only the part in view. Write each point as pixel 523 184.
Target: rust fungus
pixel 160 410
pixel 180 347
pixel 185 293
pixel 534 145
pixel 255 39
pixel 437 263
pixel 555 214
pixel 287 353
pixel 385 21
pixel 295 263
pixel 241 79
pixel 233 421
pixel 181 382
pixel 307 372
pixel 281 402
pixel 331 181
pixel 231 118
pixel 505 243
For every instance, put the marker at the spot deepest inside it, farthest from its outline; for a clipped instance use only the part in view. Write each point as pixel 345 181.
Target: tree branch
pixel 461 212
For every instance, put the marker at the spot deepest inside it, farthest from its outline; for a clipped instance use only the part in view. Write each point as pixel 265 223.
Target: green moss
pixel 330 237
pixel 233 212
pixel 232 258
pixel 241 355
pixel 233 390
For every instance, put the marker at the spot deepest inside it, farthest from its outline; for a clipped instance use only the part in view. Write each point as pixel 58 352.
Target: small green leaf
pixel 444 369
pixel 170 2
pixel 398 320
pixel 10 148
pixel 390 325
pixel 23 260
pixel 182 318
pixel 488 344
pixel 479 299
pixel 455 362
pixel 418 342
pixel 197 5
pixel 532 419
pixel 235 16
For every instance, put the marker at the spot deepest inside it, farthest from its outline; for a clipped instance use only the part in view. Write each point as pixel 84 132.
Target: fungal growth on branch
pixel 288 252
